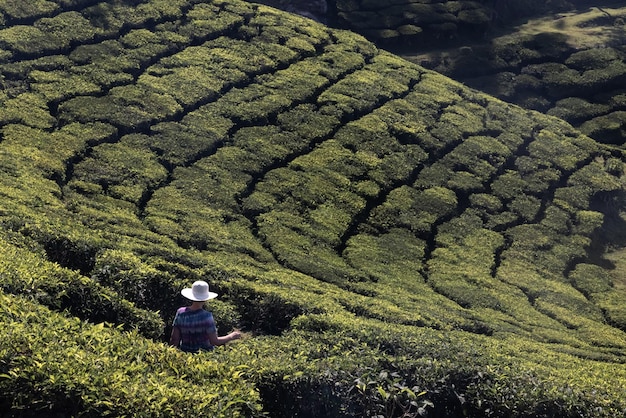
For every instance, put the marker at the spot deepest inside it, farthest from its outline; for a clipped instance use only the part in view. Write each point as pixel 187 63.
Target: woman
pixel 194 328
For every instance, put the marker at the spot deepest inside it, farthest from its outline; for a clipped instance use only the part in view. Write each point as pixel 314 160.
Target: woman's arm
pixel 175 337
pixel 216 340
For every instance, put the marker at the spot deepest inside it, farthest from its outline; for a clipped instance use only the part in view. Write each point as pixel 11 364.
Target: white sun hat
pixel 199 292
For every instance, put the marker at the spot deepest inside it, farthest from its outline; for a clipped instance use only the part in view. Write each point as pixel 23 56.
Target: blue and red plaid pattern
pixel 195 327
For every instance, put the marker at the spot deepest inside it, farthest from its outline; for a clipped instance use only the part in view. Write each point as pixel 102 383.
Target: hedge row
pixel 27 273
pixel 458 177
pixel 399 24
pixel 384 232
pixel 396 22
pixel 53 364
pixel 581 84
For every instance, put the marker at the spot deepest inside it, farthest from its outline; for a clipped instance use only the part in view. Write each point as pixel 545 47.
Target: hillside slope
pixel 569 65
pixel 390 240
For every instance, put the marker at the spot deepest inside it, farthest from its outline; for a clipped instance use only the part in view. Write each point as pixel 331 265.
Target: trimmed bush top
pixel 388 237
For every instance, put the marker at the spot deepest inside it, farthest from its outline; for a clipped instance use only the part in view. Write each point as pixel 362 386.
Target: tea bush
pixel 403 22
pixel 126 163
pixel 577 83
pixel 596 284
pixel 607 129
pixel 48 365
pixel 29 109
pixel 576 110
pixel 392 241
pixel 13 10
pixel 24 273
pixel 126 107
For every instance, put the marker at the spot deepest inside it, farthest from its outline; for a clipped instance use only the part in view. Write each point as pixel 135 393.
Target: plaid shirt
pixel 195 327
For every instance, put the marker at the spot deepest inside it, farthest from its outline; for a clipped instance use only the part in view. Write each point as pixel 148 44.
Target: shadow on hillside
pixel 612 234
pixel 565 29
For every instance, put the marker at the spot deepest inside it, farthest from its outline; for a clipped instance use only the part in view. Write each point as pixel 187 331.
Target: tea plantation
pixel 569 65
pixel 390 242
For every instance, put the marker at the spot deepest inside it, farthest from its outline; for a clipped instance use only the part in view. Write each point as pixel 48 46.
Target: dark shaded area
pixel 612 234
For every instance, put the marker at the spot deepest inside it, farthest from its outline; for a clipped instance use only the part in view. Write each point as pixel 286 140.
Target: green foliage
pixel 461 265
pixel 607 129
pixel 127 107
pixel 48 34
pixel 414 210
pixel 486 202
pixel 398 21
pixel 564 155
pixel 29 109
pixel 590 279
pixel 541 67
pixel 356 92
pixel 577 110
pixel 598 286
pixel 391 241
pixel 14 9
pixel 592 58
pixel 29 274
pixel 125 169
pixel 48 362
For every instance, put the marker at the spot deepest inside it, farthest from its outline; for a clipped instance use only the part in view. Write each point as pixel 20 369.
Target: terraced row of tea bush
pixel 419 24
pixel 407 22
pixel 572 68
pixel 54 364
pixel 390 241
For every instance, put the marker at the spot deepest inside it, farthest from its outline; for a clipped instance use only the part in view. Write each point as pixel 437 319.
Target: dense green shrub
pixel 13 9
pixel 48 363
pixel 598 286
pixel 607 129
pixel 125 169
pixel 24 273
pixel 414 210
pixel 355 93
pixel 127 107
pixel 550 149
pixel 590 279
pixel 577 110
pixel 592 58
pixel 396 22
pixel 29 109
pixel 393 241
